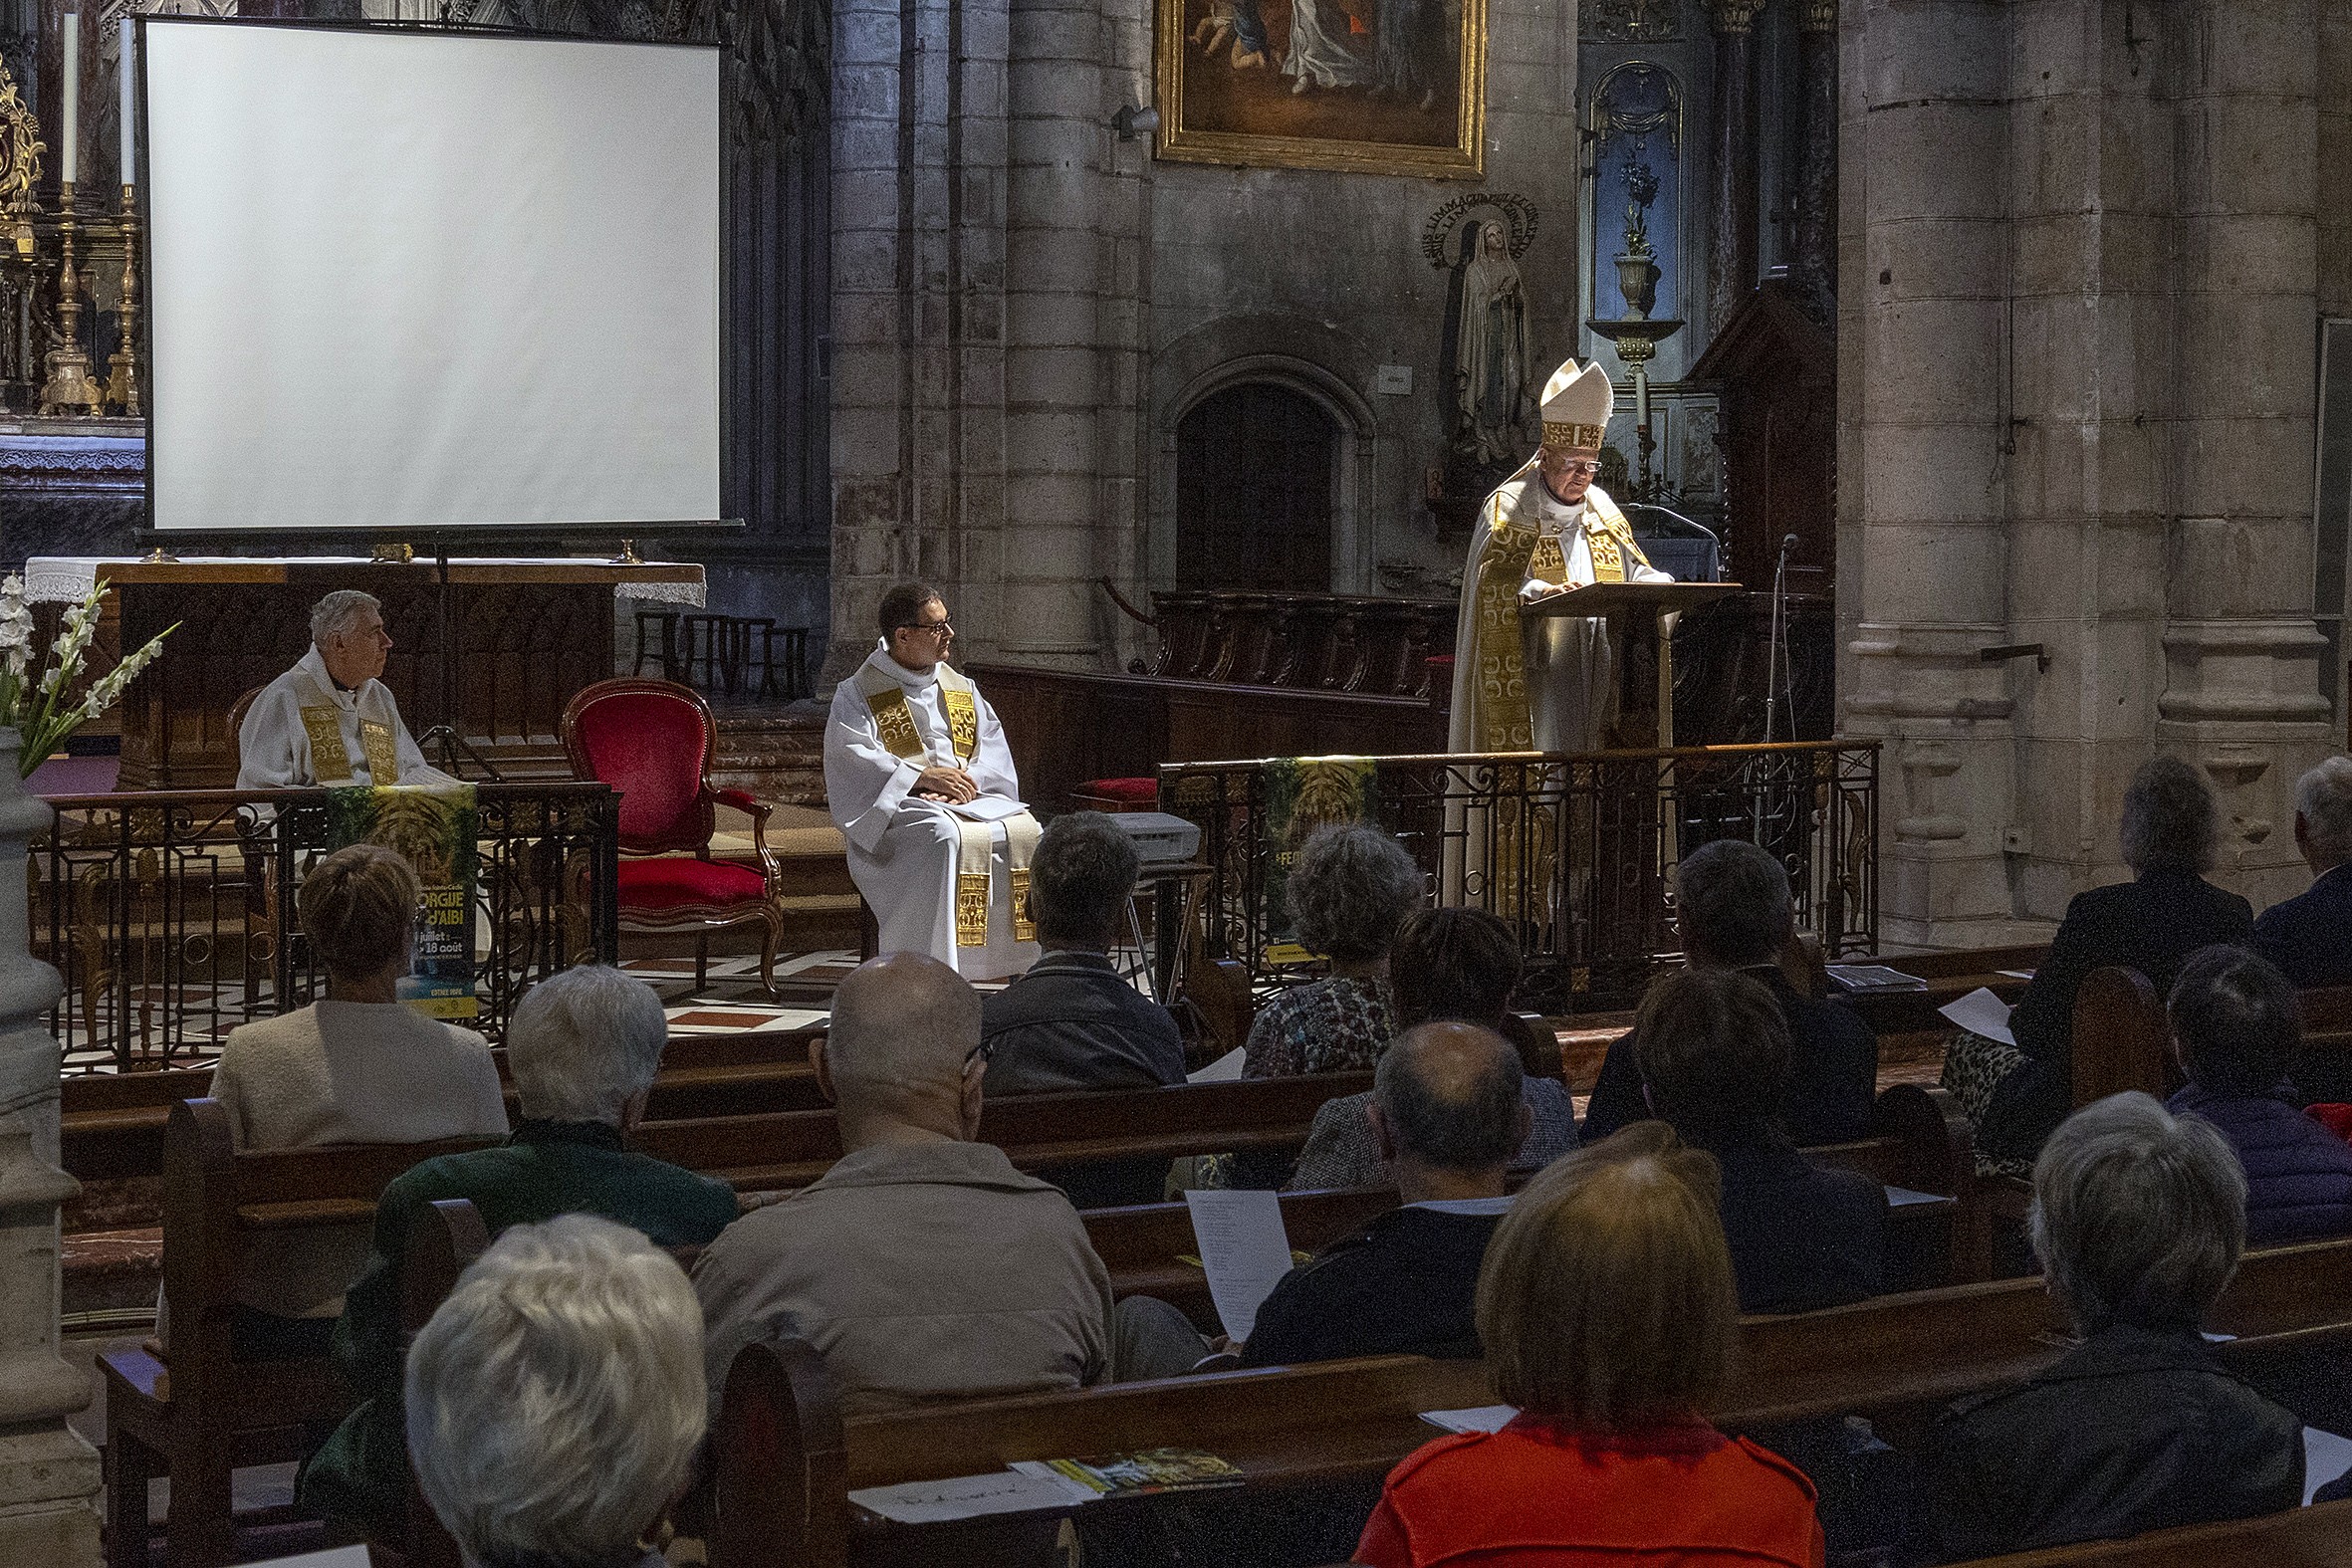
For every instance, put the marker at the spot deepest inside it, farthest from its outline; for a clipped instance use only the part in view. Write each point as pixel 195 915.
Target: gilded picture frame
pixel 1364 87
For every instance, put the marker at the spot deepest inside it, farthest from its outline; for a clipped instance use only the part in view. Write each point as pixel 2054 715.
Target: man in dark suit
pixel 2170 835
pixel 2309 937
pixel 1446 1112
pixel 1735 912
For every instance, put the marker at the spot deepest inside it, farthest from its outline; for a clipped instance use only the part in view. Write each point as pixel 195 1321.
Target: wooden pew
pixel 786 1458
pixel 199 1413
pixel 444 1236
pixel 113 1123
pixel 1038 1132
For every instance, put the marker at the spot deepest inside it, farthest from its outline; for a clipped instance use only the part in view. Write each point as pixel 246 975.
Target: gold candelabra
pixel 122 364
pixel 69 386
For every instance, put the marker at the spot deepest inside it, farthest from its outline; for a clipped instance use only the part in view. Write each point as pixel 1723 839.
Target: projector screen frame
pixel 163 539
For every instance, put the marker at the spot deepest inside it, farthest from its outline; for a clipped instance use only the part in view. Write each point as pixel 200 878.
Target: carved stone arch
pixel 1317 362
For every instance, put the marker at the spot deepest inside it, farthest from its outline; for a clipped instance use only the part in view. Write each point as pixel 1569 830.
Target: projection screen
pixel 415 279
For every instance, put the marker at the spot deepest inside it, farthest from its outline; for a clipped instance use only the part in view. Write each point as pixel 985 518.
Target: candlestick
pixel 127 67
pixel 70 80
pixel 122 364
pixel 69 388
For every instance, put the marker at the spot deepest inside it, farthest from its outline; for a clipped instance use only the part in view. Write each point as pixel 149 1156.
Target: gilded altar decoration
pixel 1371 87
pixel 21 147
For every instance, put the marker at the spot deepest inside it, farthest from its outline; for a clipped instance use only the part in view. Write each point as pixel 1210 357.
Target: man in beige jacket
pixel 922 1265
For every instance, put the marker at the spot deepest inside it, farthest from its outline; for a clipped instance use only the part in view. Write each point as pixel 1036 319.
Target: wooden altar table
pixel 528 634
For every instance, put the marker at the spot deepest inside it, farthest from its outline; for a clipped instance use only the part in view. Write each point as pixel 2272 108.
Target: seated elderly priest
pixel 921 784
pixel 328 719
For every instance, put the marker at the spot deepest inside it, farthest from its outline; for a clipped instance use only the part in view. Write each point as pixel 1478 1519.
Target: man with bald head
pixel 922 1265
pixel 1446 1115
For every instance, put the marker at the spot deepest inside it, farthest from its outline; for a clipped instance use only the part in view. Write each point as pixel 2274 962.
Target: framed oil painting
pixel 1372 87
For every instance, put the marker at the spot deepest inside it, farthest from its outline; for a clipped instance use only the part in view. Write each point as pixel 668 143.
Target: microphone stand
pixel 1777 678
pixel 452 744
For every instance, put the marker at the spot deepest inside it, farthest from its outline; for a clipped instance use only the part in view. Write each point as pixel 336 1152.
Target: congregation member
pixel 1607 1313
pixel 1348 892
pixel 923 1265
pixel 555 1400
pixel 355 1067
pixel 2016 1094
pixel 1715 1067
pixel 2236 1027
pixel 2138 1217
pixel 1455 965
pixel 584 1046
pixel 920 783
pixel 1073 1022
pixel 1735 914
pixel 2309 936
pixel 330 720
pixel 1446 1116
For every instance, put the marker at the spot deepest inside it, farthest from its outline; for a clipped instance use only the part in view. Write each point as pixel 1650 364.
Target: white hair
pixel 556 1400
pixel 583 1042
pixel 333 614
pixel 2323 800
pixel 2138 1214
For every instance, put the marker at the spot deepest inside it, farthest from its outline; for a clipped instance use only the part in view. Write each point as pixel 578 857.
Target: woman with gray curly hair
pixel 1350 890
pixel 2138 1219
pixel 2170 835
pixel 554 1401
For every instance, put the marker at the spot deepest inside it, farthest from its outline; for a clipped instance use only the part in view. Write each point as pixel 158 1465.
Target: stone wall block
pixel 1934 49
pixel 1933 159
pixel 1934 360
pixel 2240 467
pixel 2222 568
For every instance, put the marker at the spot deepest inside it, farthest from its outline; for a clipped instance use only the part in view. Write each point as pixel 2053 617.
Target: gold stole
pixel 1501 692
pixel 885 699
pixel 331 761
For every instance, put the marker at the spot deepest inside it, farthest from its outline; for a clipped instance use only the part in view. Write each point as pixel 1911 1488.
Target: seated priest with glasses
pixel 330 719
pixel 921 784
pixel 1547 529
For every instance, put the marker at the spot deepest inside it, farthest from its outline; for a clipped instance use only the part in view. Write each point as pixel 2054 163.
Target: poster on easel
pixel 434 831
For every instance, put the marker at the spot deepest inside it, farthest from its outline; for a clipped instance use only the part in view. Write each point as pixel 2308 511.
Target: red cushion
pixel 675 883
pixel 1445 659
pixel 1121 789
pixel 650 746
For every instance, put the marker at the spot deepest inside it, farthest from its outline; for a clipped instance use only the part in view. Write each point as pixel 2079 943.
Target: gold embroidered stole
pixel 1609 538
pixel 331 760
pixel 885 699
pixel 1501 689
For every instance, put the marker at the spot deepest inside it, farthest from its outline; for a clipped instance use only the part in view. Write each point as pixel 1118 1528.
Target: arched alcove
pixel 1256 470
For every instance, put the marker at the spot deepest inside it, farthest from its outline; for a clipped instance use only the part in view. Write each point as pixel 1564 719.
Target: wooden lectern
pixel 1641 616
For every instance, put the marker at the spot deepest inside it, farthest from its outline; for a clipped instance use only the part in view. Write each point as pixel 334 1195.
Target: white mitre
pixel 1576 405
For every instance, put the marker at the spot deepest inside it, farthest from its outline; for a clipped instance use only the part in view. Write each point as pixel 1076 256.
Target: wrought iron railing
pixel 170 914
pixel 1577 853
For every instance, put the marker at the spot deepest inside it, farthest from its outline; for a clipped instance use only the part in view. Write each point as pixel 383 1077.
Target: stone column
pixel 49 1476
pixel 2240 693
pixel 1058 285
pixel 1732 210
pixel 1813 264
pixel 1923 547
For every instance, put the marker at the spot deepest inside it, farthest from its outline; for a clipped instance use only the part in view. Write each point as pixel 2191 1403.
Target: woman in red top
pixel 1606 1309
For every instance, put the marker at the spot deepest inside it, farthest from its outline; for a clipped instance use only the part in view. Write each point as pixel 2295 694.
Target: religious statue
pixel 920 783
pixel 1547 528
pixel 1494 352
pixel 330 719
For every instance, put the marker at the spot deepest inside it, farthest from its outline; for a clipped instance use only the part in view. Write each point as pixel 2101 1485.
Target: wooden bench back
pixel 1037 1132
pixel 785 1459
pixel 2120 1039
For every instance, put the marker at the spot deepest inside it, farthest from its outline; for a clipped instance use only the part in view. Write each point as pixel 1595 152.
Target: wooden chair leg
pixel 768 946
pixel 201 1525
pixel 127 1466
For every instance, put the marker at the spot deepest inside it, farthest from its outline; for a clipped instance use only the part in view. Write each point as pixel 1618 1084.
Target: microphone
pixel 1788 542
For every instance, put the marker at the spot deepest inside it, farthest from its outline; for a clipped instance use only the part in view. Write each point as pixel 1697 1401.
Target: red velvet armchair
pixel 652 741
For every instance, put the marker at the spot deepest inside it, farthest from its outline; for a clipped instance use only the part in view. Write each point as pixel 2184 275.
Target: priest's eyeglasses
pixel 935 628
pixel 1580 466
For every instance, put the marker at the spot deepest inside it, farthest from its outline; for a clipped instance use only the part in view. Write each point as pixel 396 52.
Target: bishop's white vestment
pixel 304 730
pixel 1546 685
pixel 947 880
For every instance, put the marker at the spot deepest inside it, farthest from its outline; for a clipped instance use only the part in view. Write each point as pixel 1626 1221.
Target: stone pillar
pixel 1923 547
pixel 1732 210
pixel 49 1476
pixel 2240 693
pixel 1812 263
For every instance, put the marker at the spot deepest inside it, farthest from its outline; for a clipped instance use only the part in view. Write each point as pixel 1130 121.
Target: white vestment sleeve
pixel 865 782
pixel 991 760
pixel 273 749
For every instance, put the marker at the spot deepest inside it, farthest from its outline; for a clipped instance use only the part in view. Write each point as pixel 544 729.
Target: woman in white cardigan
pixel 357 1066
